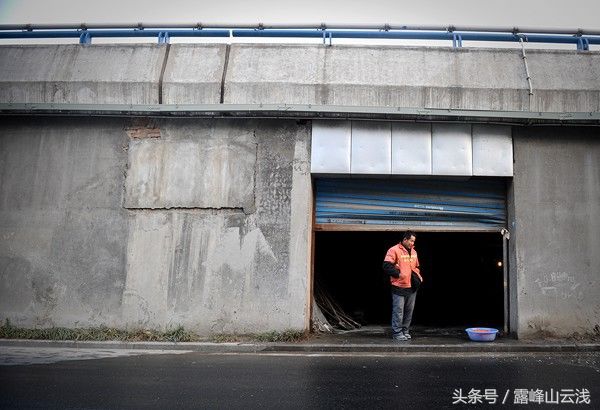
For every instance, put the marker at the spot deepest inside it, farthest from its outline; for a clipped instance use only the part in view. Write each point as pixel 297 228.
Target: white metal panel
pixel 411 149
pixel 492 150
pixel 331 147
pixel 451 149
pixel 371 147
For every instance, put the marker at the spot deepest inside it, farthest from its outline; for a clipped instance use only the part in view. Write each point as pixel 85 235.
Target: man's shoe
pixel 400 338
pixel 406 334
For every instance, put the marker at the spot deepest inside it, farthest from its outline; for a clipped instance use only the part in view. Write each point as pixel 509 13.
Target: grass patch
pixel 289 336
pixel 177 334
pixel 285 336
pixel 102 333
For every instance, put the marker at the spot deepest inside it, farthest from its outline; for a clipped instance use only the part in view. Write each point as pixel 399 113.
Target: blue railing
pixel 582 39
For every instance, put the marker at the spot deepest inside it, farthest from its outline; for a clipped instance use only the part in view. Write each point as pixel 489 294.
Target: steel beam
pixel 301 111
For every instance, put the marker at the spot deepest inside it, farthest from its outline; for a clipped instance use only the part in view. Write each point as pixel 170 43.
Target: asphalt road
pixel 197 380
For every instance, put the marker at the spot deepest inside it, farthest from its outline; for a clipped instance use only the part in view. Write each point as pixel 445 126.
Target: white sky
pixel 537 13
pixel 544 13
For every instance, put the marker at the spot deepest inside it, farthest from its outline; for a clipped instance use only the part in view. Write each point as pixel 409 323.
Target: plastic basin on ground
pixel 482 334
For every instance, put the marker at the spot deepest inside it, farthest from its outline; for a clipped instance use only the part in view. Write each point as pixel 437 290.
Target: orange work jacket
pixel 405 262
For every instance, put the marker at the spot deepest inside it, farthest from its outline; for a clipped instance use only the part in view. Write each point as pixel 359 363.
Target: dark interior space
pixel 462 274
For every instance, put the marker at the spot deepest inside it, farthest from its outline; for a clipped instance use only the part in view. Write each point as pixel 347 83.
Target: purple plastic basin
pixel 482 334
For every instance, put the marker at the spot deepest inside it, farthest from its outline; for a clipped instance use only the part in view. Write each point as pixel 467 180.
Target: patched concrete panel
pixel 224 270
pixel 193 74
pixel 556 234
pixel 207 173
pixel 99 74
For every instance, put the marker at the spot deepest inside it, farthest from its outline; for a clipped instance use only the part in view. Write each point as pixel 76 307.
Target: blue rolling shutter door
pixel 471 204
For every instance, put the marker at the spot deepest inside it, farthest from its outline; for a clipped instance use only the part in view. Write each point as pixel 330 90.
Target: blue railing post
pixel 456 40
pixel 583 44
pixel 163 37
pixel 85 37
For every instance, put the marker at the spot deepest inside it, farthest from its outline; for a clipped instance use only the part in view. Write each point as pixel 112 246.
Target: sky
pixel 506 13
pixel 539 13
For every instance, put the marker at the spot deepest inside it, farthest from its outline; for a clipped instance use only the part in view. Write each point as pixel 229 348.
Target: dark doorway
pixel 463 276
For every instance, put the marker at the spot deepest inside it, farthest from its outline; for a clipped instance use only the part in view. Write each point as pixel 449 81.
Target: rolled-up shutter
pixel 474 204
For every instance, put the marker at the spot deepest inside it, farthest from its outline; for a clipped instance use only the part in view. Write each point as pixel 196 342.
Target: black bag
pixel 415 281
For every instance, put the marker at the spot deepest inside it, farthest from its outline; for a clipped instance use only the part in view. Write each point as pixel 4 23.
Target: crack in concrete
pixel 185 208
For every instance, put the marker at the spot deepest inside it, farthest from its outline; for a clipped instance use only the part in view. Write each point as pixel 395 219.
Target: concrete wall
pixel 109 74
pixel 194 73
pixel 205 223
pixel 563 81
pixel 556 232
pixel 378 76
pixel 97 228
pixel 62 224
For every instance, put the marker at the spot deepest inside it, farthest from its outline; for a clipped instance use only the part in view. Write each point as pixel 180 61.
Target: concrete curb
pixel 210 347
pixel 205 347
pixel 434 348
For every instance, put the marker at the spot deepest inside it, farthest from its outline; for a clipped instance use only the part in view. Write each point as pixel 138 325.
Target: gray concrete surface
pixel 377 76
pixel 193 74
pixel 62 225
pixel 73 253
pixel 108 74
pixel 557 229
pixel 563 81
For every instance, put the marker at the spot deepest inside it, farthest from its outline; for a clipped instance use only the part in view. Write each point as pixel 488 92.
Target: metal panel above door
pixel 331 147
pixel 492 150
pixel 451 149
pixel 474 204
pixel 411 149
pixel 371 148
pixel 385 148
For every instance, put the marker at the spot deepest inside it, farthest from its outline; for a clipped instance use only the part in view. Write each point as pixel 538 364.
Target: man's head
pixel 408 239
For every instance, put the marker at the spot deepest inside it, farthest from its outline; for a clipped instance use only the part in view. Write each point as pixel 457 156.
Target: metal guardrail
pixel 85 33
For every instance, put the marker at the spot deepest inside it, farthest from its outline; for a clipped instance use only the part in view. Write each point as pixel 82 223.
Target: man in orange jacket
pixel 402 265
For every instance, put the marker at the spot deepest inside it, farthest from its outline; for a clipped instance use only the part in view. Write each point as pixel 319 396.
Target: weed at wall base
pixel 177 334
